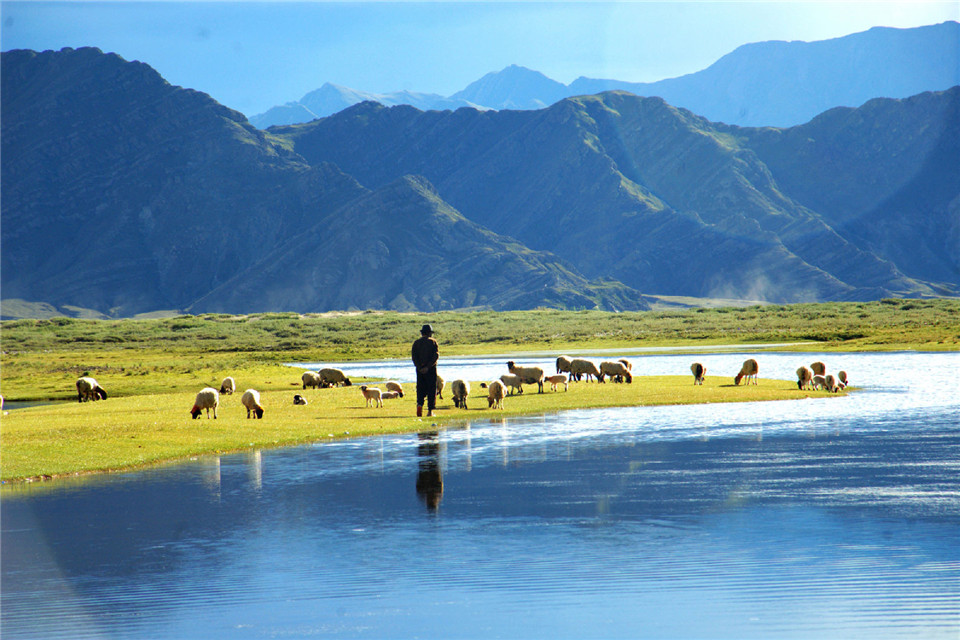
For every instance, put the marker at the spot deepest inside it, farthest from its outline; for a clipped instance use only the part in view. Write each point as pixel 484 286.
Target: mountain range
pixel 124 194
pixel 771 83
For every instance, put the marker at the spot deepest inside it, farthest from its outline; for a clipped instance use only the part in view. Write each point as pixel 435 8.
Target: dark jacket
pixel 426 353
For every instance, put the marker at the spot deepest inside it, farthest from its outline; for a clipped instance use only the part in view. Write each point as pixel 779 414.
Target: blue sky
pixel 253 55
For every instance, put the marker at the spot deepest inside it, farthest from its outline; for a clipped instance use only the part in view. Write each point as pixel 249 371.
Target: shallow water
pixel 826 518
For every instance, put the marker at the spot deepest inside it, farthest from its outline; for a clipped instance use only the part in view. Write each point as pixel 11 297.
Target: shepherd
pixel 426 353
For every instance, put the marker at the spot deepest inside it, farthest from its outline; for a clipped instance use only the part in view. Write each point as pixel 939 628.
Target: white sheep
pixel 580 367
pixel 512 381
pixel 699 372
pixel 529 375
pixel 334 377
pixel 228 385
pixel 750 369
pixel 299 399
pixel 819 382
pixel 495 394
pixel 208 398
pixel 460 389
pixel 373 395
pixel 394 386
pixel 563 364
pixel 560 378
pixel 251 400
pixel 311 379
pixel 818 368
pixel 615 370
pixel 89 389
pixel 842 379
pixel 390 395
pixel 440 384
pixel 804 378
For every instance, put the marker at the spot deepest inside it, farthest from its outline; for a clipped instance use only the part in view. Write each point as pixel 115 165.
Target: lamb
pixel 89 389
pixel 251 400
pixel 512 381
pixel 373 395
pixel 563 364
pixel 842 378
pixel 461 389
pixel 311 379
pixel 580 367
pixel 334 377
pixel 749 369
pixel 528 375
pixel 831 383
pixel 615 370
pixel 389 395
pixel 699 372
pixel 299 399
pixel 560 378
pixel 440 384
pixel 208 398
pixel 495 394
pixel 228 386
pixel 394 386
pixel 804 378
pixel 818 368
pixel 819 382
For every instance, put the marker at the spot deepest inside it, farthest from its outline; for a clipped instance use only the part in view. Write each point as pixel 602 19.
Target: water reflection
pixel 429 477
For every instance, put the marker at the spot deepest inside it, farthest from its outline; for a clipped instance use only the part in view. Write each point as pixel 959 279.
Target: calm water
pixel 833 518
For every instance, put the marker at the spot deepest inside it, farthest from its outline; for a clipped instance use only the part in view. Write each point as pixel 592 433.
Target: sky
pixel 251 56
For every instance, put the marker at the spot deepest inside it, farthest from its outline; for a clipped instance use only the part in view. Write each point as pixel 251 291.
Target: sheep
pixel 228 386
pixel 208 398
pixel 373 395
pixel 615 370
pixel 251 400
pixel 749 369
pixel 818 368
pixel 699 372
pixel 461 389
pixel 390 395
pixel 560 378
pixel 819 382
pixel 495 394
pixel 89 389
pixel 563 364
pixel 842 379
pixel 626 363
pixel 528 375
pixel 334 377
pixel 512 382
pixel 394 386
pixel 440 384
pixel 804 378
pixel 299 399
pixel 580 367
pixel 311 379
pixel 831 383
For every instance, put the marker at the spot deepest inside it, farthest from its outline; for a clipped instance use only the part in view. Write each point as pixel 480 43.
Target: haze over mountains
pixel 761 84
pixel 124 194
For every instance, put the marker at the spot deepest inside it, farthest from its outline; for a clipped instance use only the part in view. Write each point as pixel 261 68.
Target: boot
pixel 430 413
pixel 419 410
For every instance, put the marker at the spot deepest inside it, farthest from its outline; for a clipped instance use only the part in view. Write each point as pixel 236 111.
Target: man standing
pixel 426 353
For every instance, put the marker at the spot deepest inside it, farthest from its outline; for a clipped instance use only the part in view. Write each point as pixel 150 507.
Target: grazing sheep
pixel 460 389
pixel 228 386
pixel 699 372
pixel 299 399
pixel 372 394
pixel 560 378
pixel 626 363
pixel 89 389
pixel 563 364
pixel 394 386
pixel 513 382
pixel 615 370
pixel 495 394
pixel 440 384
pixel 390 395
pixel 819 382
pixel 311 379
pixel 842 379
pixel 804 378
pixel 529 375
pixel 749 369
pixel 251 400
pixel 208 398
pixel 580 367
pixel 818 368
pixel 334 377
pixel 831 383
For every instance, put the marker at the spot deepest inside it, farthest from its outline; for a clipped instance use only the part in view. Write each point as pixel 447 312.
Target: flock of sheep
pixel 568 370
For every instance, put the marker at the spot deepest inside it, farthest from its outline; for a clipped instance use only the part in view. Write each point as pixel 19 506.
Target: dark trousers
pixel 427 388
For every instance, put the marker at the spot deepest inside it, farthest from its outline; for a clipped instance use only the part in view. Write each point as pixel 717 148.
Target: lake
pixel 820 518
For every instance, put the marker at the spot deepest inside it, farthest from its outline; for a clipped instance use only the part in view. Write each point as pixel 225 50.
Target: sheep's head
pixel 346 382
pixel 738 378
pixel 195 412
pixel 259 412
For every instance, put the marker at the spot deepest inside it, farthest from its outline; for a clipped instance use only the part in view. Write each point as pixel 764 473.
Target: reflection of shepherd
pixel 429 479
pixel 425 354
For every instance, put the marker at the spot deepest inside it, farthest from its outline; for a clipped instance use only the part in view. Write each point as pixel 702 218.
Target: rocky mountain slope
pixel 124 194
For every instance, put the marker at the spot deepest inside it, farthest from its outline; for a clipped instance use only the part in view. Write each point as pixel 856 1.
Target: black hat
pixel 426 330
